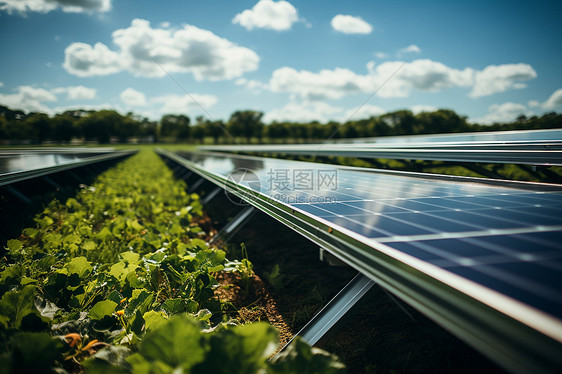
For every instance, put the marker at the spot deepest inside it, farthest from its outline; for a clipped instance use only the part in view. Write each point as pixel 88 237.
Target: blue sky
pixel 296 60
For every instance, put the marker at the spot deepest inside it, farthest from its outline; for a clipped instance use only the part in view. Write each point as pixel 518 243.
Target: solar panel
pixel 484 259
pixel 23 164
pixel 477 137
pixel 518 152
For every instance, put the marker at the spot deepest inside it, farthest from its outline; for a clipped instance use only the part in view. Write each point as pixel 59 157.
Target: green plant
pixel 119 279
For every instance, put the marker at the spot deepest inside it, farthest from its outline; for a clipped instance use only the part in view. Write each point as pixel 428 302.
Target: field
pixel 120 278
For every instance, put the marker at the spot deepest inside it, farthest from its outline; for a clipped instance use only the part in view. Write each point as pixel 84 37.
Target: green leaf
pixel 174 306
pixel 31 232
pixel 105 234
pixel 141 300
pixel 198 243
pixel 118 270
pixel 90 245
pixel 14 272
pixel 176 343
pixel 133 280
pixel 102 309
pixel 242 349
pixel 79 265
pixel 34 352
pixel 136 226
pixel 153 319
pixel 299 357
pixel 56 282
pixel 26 280
pixel 130 257
pixel 14 246
pixel 110 360
pixel 138 323
pixel 211 258
pixel 15 305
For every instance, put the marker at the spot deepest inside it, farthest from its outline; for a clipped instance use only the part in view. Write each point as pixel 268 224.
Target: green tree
pixel 441 121
pixel 402 122
pixel 214 129
pixel 247 124
pixel 175 126
pixel 38 127
pixel 63 128
pixel 100 125
pixel 276 131
pixel 198 133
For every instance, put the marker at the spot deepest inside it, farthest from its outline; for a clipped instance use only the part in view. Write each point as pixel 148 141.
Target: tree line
pixel 104 126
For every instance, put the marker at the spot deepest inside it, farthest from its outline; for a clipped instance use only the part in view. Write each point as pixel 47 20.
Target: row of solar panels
pixel 533 151
pixel 482 258
pixel 18 165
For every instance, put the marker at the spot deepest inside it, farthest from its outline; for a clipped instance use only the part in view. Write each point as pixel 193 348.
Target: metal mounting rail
pixel 332 312
pixel 18 176
pixel 527 153
pixel 518 337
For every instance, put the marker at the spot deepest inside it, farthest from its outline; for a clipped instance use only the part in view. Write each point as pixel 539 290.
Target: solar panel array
pixel 505 238
pixel 436 241
pixel 531 147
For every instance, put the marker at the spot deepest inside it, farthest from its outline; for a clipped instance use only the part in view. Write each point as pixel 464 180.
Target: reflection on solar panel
pixel 483 259
pixel 22 164
pixel 520 152
pixel 476 137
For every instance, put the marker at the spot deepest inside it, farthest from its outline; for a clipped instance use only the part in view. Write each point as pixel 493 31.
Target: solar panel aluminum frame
pixel 526 343
pixel 18 176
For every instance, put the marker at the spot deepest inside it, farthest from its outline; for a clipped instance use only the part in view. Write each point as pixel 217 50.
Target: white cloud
pixel 410 49
pixel 76 92
pixel 83 60
pixel 142 48
pixel 555 100
pixel 44 6
pixel 252 85
pixel 351 25
pixel 381 55
pixel 366 111
pixel 302 112
pixel 29 99
pixel 165 24
pixel 132 97
pixel 1 84
pixel 175 104
pixel 423 75
pixel 267 14
pixel 422 108
pixel 397 79
pixel 533 103
pixel 500 113
pixel 500 78
pixel 332 84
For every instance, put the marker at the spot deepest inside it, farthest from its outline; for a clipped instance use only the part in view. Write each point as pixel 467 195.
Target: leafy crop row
pixel 120 279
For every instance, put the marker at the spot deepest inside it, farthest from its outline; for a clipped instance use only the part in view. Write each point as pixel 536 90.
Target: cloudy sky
pixel 293 60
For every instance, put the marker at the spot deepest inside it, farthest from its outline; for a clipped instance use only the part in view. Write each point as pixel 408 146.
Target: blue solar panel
pixel 507 238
